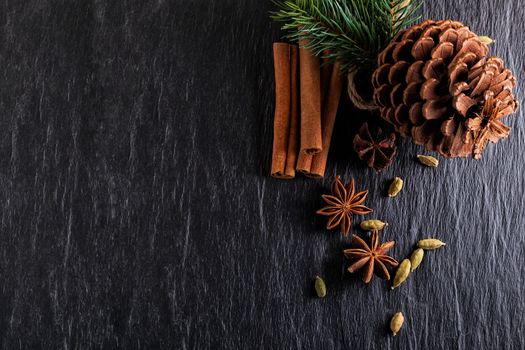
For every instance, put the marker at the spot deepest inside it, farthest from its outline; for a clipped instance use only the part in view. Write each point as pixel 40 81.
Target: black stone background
pixel 136 210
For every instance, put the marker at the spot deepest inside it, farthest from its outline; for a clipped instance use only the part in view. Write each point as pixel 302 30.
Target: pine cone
pixel 375 148
pixel 435 84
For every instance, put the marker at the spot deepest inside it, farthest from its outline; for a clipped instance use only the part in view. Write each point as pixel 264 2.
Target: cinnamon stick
pixel 330 106
pixel 281 122
pixel 311 138
pixel 293 137
pixel 304 163
pixel 326 73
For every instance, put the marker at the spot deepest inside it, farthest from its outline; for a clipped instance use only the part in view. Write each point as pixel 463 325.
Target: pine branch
pixel 354 31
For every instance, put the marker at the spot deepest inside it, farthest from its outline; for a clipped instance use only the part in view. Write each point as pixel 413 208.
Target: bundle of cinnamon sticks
pixel 307 93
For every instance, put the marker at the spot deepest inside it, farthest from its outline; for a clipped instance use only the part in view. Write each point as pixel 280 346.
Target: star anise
pixel 372 258
pixel 374 147
pixel 487 124
pixel 343 202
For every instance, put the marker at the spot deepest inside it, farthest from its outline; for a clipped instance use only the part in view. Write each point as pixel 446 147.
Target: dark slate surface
pixel 137 210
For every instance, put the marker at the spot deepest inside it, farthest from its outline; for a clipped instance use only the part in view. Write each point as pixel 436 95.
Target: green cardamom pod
pixel 430 243
pixel 416 258
pixel 395 187
pixel 370 225
pixel 402 273
pixel 320 287
pixel 486 39
pixel 396 323
pixel 428 161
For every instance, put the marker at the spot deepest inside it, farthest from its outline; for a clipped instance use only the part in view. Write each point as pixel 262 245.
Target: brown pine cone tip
pixel 375 148
pixel 435 84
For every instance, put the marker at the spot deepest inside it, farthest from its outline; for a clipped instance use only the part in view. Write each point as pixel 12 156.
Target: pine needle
pixel 354 31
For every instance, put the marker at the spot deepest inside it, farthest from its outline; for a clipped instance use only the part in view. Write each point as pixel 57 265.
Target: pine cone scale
pixel 415 73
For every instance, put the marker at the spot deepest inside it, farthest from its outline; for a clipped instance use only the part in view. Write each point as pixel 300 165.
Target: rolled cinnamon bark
pixel 293 138
pixel 330 106
pixel 326 74
pixel 311 138
pixel 304 163
pixel 281 122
